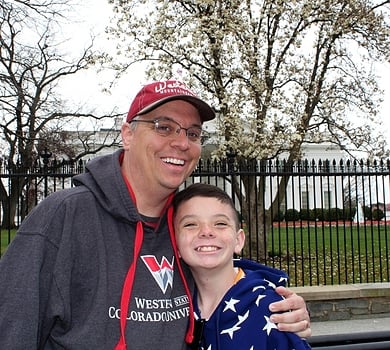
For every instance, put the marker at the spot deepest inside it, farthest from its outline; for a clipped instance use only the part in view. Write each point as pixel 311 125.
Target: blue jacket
pixel 241 320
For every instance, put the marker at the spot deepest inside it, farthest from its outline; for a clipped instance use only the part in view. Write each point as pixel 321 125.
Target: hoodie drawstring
pixel 191 326
pixel 128 286
pixel 129 280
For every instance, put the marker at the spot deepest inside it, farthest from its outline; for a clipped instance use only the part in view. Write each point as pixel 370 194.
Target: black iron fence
pixel 324 222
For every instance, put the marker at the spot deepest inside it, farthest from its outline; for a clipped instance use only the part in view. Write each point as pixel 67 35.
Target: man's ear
pixel 126 134
pixel 240 241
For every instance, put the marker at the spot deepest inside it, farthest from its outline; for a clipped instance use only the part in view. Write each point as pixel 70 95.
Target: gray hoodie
pixel 62 277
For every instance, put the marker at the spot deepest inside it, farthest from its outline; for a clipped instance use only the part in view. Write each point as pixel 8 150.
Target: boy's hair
pixel 208 191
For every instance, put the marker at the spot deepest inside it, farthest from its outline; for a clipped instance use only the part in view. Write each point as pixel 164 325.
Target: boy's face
pixel 206 232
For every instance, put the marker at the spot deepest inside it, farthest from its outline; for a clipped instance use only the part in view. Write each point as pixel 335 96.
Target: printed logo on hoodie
pixel 162 272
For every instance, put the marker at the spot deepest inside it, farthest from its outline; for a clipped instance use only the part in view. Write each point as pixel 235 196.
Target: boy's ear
pixel 240 241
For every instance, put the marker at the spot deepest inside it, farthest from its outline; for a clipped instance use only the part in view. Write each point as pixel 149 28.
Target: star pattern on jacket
pixel 230 305
pixel 271 284
pixel 269 326
pixel 258 299
pixel 283 280
pixel 242 320
pixel 236 326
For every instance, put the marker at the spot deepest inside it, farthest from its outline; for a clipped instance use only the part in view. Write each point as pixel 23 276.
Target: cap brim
pixel 205 111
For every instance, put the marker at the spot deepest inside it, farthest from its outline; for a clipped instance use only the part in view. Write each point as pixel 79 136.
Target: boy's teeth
pixel 206 249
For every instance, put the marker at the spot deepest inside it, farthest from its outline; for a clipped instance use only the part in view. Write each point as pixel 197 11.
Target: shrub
pixel 308 214
pixel 304 214
pixel 335 214
pixel 291 215
pixel 349 213
pixel 367 212
pixel 378 214
pixel 278 217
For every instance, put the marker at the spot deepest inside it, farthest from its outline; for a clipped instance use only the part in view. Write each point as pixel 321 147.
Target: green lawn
pixel 5 238
pixel 317 255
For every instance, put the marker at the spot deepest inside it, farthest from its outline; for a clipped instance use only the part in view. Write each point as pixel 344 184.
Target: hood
pixel 241 320
pixel 259 271
pixel 104 179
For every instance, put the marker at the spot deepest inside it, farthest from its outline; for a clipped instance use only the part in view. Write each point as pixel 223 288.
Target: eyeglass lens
pixel 166 127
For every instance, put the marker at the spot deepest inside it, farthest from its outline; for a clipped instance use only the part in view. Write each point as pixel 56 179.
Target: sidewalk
pixel 350 326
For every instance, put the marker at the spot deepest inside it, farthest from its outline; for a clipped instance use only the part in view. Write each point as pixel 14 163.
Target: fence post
pixel 231 155
pixel 45 155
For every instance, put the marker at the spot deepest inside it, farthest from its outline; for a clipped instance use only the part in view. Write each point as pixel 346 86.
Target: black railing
pixel 324 222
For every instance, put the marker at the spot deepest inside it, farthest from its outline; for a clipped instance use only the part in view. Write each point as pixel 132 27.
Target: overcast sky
pixel 94 15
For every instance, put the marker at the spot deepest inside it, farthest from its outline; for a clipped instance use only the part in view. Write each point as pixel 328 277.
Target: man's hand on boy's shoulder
pixel 294 317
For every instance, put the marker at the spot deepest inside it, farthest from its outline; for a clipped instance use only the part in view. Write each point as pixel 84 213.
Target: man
pixel 93 267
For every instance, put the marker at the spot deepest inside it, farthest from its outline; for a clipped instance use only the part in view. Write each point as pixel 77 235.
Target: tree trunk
pixel 9 201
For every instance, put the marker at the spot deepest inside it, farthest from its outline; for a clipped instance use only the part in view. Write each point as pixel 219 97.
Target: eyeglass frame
pixel 173 131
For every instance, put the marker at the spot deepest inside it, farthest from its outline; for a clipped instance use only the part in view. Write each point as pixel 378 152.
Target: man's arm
pixel 295 317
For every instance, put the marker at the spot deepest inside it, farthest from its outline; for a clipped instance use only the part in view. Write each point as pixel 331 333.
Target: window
pixel 304 200
pixel 327 200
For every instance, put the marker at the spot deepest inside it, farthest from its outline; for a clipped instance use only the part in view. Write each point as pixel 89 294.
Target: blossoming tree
pixel 279 73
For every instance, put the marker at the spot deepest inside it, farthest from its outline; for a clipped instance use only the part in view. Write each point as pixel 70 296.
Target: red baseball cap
pixel 158 93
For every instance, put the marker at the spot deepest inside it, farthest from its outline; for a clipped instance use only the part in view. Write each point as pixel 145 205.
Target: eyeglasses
pixel 165 126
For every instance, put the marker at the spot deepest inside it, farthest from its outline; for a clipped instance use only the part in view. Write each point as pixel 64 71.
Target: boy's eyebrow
pixel 187 216
pixel 193 216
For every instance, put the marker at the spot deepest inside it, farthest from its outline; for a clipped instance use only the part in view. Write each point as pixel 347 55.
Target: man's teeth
pixel 206 249
pixel 174 161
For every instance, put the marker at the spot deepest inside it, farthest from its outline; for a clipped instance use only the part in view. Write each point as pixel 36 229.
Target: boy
pixel 231 296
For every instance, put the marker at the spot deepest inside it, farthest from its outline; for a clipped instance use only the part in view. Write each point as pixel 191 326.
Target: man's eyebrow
pixel 170 118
